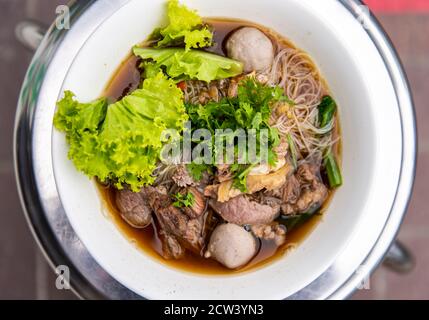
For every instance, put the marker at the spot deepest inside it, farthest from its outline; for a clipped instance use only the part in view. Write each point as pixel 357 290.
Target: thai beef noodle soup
pixel 216 216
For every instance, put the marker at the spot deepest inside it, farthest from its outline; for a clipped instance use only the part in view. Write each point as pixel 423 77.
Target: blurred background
pixel 24 274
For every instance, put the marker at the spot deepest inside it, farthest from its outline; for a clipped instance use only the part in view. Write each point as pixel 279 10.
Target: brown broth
pixel 147 240
pixel 126 79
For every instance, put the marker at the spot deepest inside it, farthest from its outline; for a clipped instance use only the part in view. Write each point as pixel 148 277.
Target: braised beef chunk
pixel 189 232
pixel 171 248
pixel 172 220
pixel 199 205
pixel 291 191
pixel 308 173
pixel 194 235
pixel 266 199
pixel 134 208
pixel 182 178
pixel 157 197
pixel 211 220
pixel 304 191
pixel 242 210
pixel 273 231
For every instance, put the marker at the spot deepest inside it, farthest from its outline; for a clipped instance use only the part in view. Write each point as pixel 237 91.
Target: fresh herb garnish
pixel 249 110
pixel 184 200
pixel 197 170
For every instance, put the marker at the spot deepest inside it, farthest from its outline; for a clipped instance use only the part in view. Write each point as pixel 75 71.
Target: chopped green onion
pixel 294 221
pixel 292 151
pixel 240 175
pixel 332 170
pixel 327 109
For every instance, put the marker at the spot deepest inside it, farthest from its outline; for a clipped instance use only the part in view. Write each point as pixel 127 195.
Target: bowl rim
pixel 40 199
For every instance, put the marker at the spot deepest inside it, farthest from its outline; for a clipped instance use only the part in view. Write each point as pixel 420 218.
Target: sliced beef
pixel 304 191
pixel 134 208
pixel 274 232
pixel 242 210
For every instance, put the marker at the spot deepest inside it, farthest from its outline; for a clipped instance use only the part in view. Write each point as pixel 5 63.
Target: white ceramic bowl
pixel 372 145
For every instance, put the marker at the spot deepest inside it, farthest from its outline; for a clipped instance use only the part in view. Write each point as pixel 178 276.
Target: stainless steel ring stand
pixel 59 242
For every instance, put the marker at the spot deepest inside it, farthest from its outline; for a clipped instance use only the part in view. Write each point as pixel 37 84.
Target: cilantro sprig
pixel 184 200
pixel 250 109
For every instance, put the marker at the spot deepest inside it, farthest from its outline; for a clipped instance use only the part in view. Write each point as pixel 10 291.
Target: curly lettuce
pixel 181 65
pixel 121 142
pixel 185 27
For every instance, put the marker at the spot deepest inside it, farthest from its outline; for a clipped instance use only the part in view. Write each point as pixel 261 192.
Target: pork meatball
pixel 252 47
pixel 231 245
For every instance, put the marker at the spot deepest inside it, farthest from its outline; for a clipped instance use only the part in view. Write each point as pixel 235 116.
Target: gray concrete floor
pixel 25 275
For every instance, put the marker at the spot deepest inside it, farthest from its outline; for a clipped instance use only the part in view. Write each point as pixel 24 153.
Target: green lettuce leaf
pixel 81 122
pixel 92 114
pixel 181 65
pixel 121 142
pixel 185 27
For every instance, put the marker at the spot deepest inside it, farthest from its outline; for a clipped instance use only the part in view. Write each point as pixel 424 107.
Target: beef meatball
pixel 231 245
pixel 252 47
pixel 134 208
